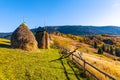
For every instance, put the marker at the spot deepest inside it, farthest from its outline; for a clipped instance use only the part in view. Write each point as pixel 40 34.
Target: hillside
pixel 5 35
pixel 75 30
pixel 82 30
pixel 17 64
pixel 90 54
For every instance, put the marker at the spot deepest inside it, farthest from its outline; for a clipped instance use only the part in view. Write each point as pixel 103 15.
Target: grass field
pixel 17 64
pixel 90 55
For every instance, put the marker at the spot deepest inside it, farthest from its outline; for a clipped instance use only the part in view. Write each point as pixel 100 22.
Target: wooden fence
pixel 78 56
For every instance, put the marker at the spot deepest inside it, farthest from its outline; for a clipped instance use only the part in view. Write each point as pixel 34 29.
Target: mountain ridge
pixel 82 30
pixel 75 30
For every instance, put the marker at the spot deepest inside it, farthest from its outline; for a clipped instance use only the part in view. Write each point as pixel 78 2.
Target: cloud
pixel 116 5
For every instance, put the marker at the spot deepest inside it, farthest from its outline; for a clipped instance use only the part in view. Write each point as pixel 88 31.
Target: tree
pixel 111 50
pixel 100 51
pixel 108 41
pixel 103 47
pixel 117 52
pixel 108 49
pixel 95 44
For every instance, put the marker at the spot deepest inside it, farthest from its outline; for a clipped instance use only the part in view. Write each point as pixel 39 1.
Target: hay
pixel 46 40
pixel 23 38
pixel 42 38
pixel 39 38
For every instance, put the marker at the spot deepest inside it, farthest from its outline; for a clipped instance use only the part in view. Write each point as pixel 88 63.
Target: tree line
pixel 107 48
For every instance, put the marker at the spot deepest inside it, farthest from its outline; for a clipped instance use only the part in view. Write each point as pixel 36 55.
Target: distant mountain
pixel 76 30
pixel 81 30
pixel 5 35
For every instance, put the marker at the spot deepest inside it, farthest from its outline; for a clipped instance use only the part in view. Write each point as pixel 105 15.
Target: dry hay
pixel 42 38
pixel 23 38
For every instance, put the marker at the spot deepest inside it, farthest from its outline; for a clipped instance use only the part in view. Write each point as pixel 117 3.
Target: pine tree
pixel 111 50
pixel 95 44
pixel 100 51
pixel 117 52
pixel 103 47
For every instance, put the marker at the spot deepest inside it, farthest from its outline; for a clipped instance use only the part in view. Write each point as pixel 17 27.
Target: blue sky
pixel 58 12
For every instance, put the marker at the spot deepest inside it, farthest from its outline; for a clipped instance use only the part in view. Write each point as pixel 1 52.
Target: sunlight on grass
pixel 17 64
pixel 63 42
pixel 100 61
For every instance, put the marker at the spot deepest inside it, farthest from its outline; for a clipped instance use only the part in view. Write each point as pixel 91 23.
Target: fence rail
pixel 74 57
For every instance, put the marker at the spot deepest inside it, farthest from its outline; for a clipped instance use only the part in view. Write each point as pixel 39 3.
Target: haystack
pixel 23 38
pixel 42 38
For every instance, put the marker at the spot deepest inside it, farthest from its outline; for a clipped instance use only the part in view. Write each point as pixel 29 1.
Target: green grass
pixel 17 64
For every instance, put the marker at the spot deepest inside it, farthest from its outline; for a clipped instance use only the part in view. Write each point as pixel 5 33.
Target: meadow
pixel 16 64
pixel 90 54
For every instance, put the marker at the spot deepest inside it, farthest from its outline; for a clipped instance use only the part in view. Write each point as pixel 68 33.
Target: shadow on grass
pixel 76 71
pixel 5 46
pixel 6 41
pixel 65 70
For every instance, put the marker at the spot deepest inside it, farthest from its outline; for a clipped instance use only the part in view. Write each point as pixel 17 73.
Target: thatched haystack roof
pixel 23 38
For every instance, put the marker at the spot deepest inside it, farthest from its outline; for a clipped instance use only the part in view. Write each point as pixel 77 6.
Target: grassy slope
pixel 21 65
pixel 89 54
